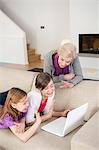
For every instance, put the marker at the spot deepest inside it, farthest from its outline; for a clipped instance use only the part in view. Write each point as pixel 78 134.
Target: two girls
pixel 34 108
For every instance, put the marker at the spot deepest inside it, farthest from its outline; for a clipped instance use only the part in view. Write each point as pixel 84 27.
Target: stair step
pixel 31 51
pixel 36 56
pixel 33 58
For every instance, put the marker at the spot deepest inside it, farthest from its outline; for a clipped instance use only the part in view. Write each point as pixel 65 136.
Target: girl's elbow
pixel 24 140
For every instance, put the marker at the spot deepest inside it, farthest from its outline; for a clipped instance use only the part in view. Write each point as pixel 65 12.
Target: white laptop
pixel 63 125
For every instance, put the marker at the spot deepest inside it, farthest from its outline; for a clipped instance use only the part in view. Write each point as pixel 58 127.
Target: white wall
pixel 89 62
pixel 31 14
pixel 12 42
pixel 98 14
pixel 84 16
pixel 61 18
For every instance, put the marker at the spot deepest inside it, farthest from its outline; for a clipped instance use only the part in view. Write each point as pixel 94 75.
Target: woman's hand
pixel 66 84
pixel 69 76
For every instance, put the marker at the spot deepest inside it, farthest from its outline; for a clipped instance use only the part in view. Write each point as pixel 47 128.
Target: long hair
pixel 14 96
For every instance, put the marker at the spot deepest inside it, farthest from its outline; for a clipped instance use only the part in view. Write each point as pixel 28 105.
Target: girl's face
pixel 48 90
pixel 63 62
pixel 23 105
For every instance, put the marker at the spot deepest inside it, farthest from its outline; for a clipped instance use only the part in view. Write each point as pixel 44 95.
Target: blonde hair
pixel 67 49
pixel 14 96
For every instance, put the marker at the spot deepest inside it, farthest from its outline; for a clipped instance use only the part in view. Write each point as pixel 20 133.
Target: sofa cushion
pixel 88 136
pixel 15 78
pixel 40 141
pixel 85 91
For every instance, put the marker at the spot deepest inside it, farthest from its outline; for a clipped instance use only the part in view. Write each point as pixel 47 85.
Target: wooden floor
pixel 36 64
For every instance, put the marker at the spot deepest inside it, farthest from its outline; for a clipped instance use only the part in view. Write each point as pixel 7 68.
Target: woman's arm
pixel 74 77
pixel 77 70
pixel 24 136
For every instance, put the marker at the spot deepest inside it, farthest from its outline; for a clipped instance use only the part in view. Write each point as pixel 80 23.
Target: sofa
pixel 83 138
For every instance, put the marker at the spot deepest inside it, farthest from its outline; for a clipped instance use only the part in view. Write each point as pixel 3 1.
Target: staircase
pixel 32 56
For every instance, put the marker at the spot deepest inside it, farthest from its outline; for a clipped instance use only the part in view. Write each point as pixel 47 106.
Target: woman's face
pixel 23 105
pixel 48 90
pixel 64 61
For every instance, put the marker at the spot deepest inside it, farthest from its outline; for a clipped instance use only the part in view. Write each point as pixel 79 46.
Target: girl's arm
pixel 62 113
pixel 50 113
pixel 47 116
pixel 54 113
pixel 24 136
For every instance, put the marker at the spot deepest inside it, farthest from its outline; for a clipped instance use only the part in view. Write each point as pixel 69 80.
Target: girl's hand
pixel 65 112
pixel 19 127
pixel 66 84
pixel 69 76
pixel 38 118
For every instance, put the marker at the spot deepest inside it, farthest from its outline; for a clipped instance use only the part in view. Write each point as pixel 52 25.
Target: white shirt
pixel 35 98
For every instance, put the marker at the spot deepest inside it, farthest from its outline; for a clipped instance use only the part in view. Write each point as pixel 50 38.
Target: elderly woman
pixel 64 66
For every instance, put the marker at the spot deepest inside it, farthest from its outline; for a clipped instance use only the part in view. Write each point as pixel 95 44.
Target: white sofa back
pixel 15 78
pixel 85 91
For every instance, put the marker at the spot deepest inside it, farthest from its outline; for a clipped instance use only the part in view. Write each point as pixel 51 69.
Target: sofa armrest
pixel 87 138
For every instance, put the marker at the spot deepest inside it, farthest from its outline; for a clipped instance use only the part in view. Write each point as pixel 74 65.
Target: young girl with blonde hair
pixel 13 113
